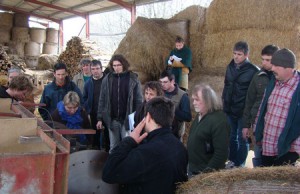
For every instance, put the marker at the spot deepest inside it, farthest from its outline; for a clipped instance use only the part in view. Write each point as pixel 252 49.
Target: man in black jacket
pixel 238 76
pixel 157 164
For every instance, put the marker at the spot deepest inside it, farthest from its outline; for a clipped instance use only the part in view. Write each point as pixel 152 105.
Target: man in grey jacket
pixel 120 96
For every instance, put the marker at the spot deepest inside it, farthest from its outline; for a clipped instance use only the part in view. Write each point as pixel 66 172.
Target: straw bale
pixel 196 15
pixel 46 61
pixel 31 61
pixel 37 35
pixel 218 46
pixel 284 179
pixel 52 35
pixel 32 49
pixel 16 48
pixel 4 34
pixel 20 34
pixel 243 14
pixel 21 20
pixel 146 46
pixel 50 48
pixel 6 19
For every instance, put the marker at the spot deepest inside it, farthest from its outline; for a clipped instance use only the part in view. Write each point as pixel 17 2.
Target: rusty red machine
pixel 35 158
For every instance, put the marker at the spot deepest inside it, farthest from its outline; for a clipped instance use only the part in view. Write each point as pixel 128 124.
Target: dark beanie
pixel 284 58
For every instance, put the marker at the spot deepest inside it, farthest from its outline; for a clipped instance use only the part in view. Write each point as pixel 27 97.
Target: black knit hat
pixel 284 58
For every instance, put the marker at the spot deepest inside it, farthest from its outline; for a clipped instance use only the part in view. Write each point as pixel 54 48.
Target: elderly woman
pixel 69 113
pixel 209 134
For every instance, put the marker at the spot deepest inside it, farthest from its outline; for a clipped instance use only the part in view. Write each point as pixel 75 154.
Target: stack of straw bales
pixel 74 52
pixel 51 44
pixel 258 22
pixel 33 47
pixel 284 179
pixel 146 46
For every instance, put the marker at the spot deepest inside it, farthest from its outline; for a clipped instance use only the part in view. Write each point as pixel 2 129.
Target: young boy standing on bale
pixel 180 60
pixel 239 74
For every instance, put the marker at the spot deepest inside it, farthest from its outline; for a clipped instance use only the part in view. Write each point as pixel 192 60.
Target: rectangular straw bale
pixel 242 14
pixel 219 46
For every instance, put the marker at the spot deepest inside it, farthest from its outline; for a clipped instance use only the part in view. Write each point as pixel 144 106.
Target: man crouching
pixel 157 164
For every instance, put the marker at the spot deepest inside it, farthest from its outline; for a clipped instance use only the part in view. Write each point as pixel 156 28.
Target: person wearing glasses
pixel 120 96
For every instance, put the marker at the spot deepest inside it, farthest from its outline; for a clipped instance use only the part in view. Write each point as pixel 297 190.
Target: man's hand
pixel 99 125
pixel 245 133
pixel 136 133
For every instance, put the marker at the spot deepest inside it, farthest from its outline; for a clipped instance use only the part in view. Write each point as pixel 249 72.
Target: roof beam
pixel 81 5
pixel 56 7
pixel 27 13
pixel 127 6
pixel 39 7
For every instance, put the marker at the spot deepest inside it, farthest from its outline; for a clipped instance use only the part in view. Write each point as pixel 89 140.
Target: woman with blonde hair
pixel 72 115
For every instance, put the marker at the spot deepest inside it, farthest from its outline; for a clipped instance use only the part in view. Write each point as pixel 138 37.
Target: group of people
pixel 262 103
pixel 151 158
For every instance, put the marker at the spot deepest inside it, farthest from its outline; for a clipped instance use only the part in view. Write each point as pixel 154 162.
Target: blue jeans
pixel 239 147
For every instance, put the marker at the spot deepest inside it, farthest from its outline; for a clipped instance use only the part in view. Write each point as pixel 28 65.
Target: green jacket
pixel 186 54
pixel 212 129
pixel 254 97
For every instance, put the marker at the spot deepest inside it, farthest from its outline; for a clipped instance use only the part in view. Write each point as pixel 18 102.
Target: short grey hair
pixel 209 96
pixel 14 69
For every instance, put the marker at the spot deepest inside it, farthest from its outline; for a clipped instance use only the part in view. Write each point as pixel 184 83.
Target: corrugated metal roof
pixel 57 10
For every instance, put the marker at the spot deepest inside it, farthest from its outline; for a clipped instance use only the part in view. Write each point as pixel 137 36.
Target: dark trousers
pixel 287 159
pixel 101 138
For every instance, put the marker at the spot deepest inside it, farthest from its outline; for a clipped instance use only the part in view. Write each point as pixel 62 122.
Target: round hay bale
pixel 37 35
pixel 4 34
pixel 218 46
pixel 20 34
pixel 16 48
pixel 52 35
pixel 32 49
pixel 31 61
pixel 6 19
pixel 50 48
pixel 243 14
pixel 283 179
pixel 146 46
pixel 21 20
pixel 46 61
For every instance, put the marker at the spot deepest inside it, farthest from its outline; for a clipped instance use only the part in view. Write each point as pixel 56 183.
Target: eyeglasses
pixel 117 65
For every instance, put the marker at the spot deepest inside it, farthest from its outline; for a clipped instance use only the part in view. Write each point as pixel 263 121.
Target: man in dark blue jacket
pixel 55 91
pixel 238 76
pixel 157 164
